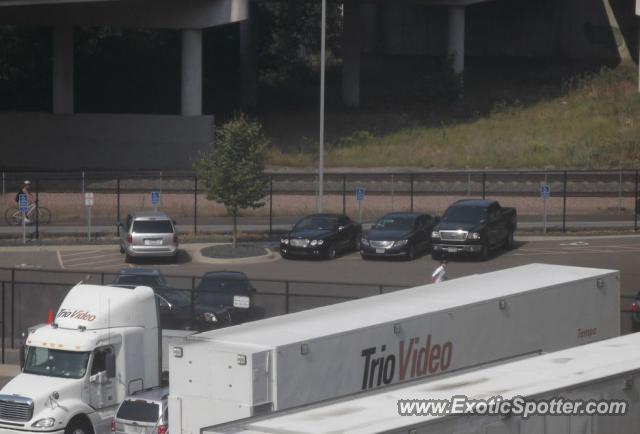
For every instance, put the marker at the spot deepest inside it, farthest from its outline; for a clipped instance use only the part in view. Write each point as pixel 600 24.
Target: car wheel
pixel 484 252
pixel 331 252
pixel 78 426
pixel 122 250
pixel 510 243
pixel 284 255
pixel 411 252
pixel 356 243
pixel 128 259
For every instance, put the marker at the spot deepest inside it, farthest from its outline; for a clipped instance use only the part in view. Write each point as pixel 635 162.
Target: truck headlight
pixel 364 242
pixel 241 301
pixel 435 234
pixel 47 422
pixel 284 240
pixel 474 235
pixel 210 317
pixel 400 243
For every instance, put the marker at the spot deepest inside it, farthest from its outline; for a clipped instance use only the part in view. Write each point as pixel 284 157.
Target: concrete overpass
pixel 148 140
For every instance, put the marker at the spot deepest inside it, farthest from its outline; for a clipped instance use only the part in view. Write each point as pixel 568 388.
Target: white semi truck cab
pixel 103 345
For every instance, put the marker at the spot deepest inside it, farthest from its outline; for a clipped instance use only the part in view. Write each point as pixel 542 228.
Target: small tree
pixel 233 169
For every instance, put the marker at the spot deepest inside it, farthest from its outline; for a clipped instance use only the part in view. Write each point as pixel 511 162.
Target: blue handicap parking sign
pixel 545 191
pixel 155 197
pixel 23 202
pixel 359 193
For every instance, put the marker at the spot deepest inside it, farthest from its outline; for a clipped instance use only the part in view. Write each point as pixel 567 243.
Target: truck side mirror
pixel 23 350
pixel 110 363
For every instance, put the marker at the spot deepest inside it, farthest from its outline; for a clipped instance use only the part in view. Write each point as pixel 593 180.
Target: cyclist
pixel 25 188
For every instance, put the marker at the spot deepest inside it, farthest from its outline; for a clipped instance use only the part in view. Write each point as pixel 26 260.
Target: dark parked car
pixel 398 234
pixel 175 304
pixel 473 226
pixel 321 235
pixel 635 314
pixel 231 289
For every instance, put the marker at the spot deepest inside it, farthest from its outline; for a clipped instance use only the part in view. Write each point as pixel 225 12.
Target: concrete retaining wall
pixel 99 141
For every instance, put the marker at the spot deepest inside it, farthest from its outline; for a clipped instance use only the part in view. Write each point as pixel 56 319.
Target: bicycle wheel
pixel 44 215
pixel 13 217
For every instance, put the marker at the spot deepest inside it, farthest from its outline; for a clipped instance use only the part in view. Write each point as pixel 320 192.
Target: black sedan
pixel 232 290
pixel 321 235
pixel 398 234
pixel 176 310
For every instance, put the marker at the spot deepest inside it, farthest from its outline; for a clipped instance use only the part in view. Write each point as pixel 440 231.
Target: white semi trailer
pixel 361 345
pixel 604 374
pixel 104 344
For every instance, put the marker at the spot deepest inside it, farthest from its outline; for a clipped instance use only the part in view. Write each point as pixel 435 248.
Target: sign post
pixel 155 199
pixel 88 203
pixel 545 192
pixel 360 199
pixel 23 203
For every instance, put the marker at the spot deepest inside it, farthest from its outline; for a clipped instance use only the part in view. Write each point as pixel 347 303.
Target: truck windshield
pixel 56 363
pixel 465 214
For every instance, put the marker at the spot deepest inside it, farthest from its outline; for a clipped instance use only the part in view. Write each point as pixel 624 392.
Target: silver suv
pixel 143 413
pixel 148 234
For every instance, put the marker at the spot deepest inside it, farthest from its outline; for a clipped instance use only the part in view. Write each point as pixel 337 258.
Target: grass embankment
pixel 593 123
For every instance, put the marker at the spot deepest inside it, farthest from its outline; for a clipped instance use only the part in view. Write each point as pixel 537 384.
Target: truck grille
pixel 381 244
pixel 13 407
pixel 453 235
pixel 299 243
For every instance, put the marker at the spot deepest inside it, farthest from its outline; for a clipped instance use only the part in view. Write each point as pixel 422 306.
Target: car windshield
pixel 228 286
pixel 316 223
pixel 136 279
pixel 176 296
pixel 139 410
pixel 465 214
pixel 395 223
pixel 152 227
pixel 56 363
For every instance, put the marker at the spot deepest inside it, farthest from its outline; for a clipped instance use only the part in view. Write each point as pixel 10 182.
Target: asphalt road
pixel 619 252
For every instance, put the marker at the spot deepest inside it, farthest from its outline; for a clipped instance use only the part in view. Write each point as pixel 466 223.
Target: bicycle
pixel 13 216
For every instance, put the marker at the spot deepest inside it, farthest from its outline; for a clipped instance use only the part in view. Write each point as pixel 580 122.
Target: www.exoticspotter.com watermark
pixel 517 406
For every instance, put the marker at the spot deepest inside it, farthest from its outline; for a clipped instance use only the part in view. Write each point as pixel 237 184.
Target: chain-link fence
pixel 575 197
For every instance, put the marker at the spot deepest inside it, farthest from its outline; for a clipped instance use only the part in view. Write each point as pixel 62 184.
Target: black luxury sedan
pixel 232 290
pixel 176 311
pixel 321 235
pixel 398 234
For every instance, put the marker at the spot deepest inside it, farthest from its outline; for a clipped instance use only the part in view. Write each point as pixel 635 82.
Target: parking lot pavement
pixel 97 259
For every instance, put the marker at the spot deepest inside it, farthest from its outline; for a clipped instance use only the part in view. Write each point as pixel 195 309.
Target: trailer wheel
pixel 79 425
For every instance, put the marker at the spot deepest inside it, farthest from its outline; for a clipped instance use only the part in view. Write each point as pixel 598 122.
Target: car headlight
pixel 364 242
pixel 284 240
pixel 44 423
pixel 210 317
pixel 435 234
pixel 473 236
pixel 314 242
pixel 400 243
pixel 320 242
pixel 241 301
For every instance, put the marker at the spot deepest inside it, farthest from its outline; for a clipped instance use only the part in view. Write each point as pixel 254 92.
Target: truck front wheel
pixel 79 425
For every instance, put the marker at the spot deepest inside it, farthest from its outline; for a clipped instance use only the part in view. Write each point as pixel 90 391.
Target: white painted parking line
pixel 89 259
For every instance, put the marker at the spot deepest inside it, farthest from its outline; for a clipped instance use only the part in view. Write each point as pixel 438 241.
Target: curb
pixel 195 249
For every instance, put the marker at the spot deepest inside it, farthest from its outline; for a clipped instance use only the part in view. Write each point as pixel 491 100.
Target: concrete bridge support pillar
pixel 191 85
pixel 63 70
pixel 455 39
pixel 249 67
pixel 351 54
